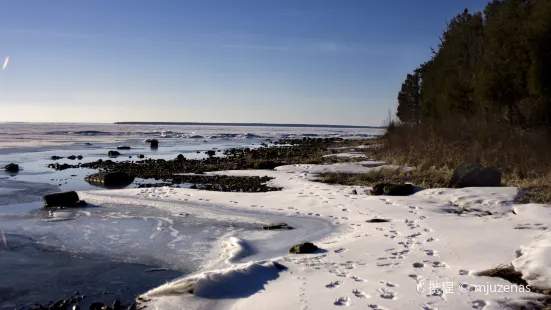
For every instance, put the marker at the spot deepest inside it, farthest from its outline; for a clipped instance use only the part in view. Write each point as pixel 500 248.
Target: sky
pixel 284 61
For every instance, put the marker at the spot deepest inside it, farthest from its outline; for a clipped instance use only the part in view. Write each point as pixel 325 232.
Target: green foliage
pixel 493 65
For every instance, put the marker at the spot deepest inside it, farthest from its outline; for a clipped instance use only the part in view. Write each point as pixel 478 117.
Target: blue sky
pixel 285 61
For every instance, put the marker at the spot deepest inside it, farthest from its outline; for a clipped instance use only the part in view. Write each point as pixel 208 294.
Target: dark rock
pixel 96 306
pixel 303 248
pixel 66 199
pixel 56 157
pixel 378 221
pixel 109 179
pixel 180 157
pixel 72 157
pixel 154 143
pixel 116 305
pixel 80 157
pixel 124 147
pixel 390 189
pixel 113 153
pixel 266 164
pixel 354 192
pixel 210 153
pixel 61 167
pixel 475 175
pixel 278 226
pixel 12 167
pixel 81 203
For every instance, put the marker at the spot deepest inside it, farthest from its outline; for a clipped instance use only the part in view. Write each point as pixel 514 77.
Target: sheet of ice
pixel 389 265
pixel 14 136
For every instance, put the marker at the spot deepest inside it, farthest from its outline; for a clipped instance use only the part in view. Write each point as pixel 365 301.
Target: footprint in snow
pixel 340 250
pixel 342 301
pixel 438 264
pixel 360 294
pixel 375 307
pixel 418 265
pixel 464 272
pixel 357 279
pixel 387 294
pixel 333 284
pixel 388 284
pixel 479 304
pixel 430 252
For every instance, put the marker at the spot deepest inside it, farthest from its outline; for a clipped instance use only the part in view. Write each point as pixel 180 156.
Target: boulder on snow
pixel 391 189
pixel 278 226
pixel 154 143
pixel 303 248
pixel 123 147
pixel 65 199
pixel 475 175
pixel 113 153
pixel 12 167
pixel 109 179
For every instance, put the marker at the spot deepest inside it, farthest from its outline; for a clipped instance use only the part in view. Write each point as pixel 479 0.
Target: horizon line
pixel 247 124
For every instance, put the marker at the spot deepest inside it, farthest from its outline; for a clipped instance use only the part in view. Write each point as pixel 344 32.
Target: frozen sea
pixel 116 251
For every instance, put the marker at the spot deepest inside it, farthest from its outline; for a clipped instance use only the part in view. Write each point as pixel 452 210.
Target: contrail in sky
pixel 5 63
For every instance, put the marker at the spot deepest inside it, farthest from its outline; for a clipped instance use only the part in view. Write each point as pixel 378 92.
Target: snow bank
pixel 347 155
pixel 535 262
pixel 236 249
pixel 238 281
pixel 357 167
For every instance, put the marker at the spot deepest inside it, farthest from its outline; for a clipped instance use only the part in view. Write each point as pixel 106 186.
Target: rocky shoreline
pixel 180 170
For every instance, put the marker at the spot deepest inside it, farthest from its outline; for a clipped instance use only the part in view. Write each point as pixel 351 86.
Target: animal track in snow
pixel 418 265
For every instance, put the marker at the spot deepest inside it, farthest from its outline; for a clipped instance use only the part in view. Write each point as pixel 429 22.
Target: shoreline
pixel 381 251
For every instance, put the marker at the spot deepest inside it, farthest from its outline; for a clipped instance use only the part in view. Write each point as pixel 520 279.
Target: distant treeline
pixel 493 65
pixel 245 124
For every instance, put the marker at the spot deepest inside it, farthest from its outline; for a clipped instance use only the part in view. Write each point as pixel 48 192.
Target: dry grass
pixel 506 272
pixel 522 156
pixel 427 178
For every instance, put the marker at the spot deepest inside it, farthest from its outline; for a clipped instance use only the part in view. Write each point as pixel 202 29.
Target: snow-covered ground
pixel 361 265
